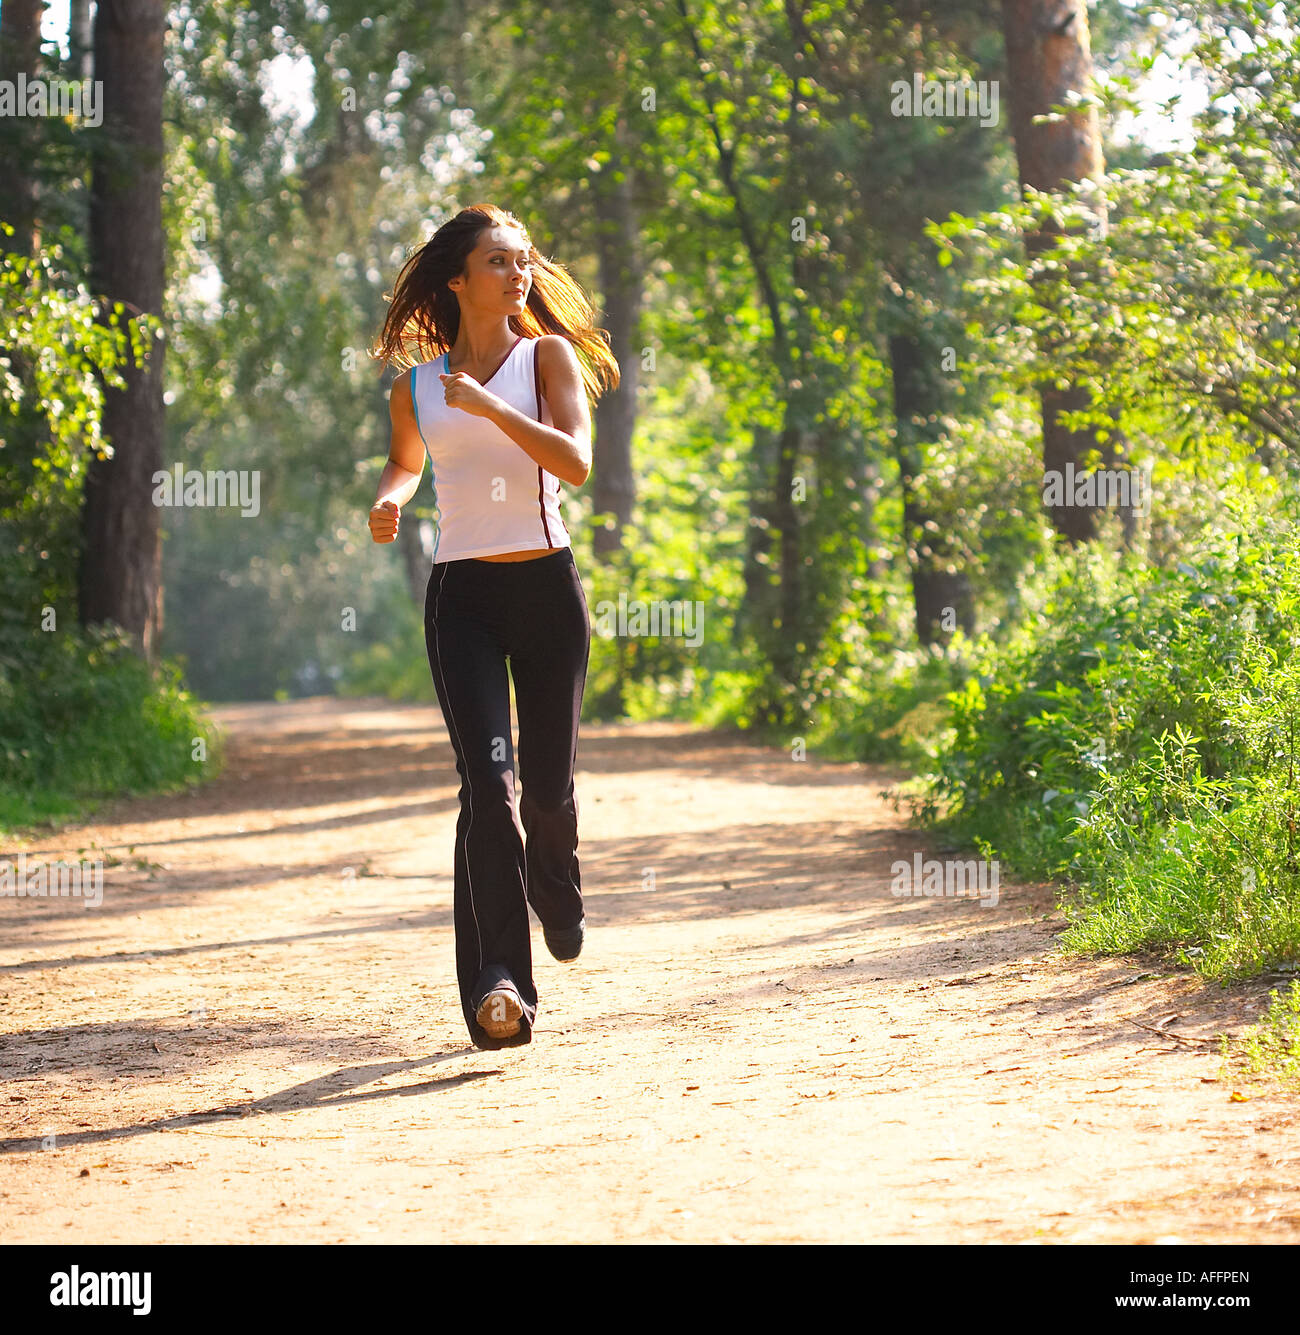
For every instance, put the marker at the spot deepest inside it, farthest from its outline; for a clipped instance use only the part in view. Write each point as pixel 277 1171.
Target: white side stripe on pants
pixel 470 824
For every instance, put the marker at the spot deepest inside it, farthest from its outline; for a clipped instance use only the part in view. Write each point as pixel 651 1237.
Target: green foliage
pixel 896 712
pixel 1206 865
pixel 395 663
pixel 81 717
pixel 85 719
pixel 1272 1047
pixel 1185 306
pixel 57 354
pixel 1139 741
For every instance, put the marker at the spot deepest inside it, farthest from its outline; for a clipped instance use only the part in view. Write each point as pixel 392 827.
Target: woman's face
pixel 497 274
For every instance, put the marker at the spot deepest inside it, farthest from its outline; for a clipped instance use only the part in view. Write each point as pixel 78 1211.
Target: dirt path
pixel 256 1037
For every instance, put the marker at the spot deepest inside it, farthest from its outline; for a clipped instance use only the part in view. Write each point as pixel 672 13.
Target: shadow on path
pixel 325 1091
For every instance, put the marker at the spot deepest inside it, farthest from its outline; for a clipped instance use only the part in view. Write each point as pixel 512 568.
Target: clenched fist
pixel 384 519
pixel 461 390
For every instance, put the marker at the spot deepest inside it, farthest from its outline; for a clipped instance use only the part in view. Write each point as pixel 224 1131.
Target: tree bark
pixel 80 40
pixel 623 284
pixel 756 609
pixel 1048 57
pixel 786 654
pixel 20 49
pixel 942 598
pixel 120 579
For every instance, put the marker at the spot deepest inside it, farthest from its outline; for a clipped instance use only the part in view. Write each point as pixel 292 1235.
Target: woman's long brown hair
pixel 424 316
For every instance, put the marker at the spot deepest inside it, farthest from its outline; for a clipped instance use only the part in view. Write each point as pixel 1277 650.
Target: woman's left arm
pixel 563 449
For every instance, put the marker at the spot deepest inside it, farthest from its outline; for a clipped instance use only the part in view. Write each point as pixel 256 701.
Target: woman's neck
pixel 483 345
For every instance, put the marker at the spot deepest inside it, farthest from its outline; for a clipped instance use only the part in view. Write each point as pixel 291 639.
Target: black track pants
pixel 478 614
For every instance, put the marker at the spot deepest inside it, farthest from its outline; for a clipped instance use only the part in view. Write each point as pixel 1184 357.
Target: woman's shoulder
pixel 555 352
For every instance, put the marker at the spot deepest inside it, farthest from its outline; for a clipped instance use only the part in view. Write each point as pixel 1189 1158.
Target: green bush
pixel 393 662
pixel 86 718
pixel 1272 1047
pixel 1140 743
pixel 1204 866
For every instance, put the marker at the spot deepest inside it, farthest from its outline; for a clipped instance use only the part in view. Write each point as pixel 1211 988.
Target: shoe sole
pixel 499 1013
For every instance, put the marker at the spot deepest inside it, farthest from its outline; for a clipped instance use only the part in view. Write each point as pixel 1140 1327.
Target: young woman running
pixel 497 398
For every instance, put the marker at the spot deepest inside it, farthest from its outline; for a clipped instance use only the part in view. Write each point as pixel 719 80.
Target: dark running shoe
pixel 566 945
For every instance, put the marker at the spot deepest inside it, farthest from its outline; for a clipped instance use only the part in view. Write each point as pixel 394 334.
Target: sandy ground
pixel 256 1037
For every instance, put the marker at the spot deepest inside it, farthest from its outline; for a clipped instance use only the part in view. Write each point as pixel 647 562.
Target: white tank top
pixel 489 496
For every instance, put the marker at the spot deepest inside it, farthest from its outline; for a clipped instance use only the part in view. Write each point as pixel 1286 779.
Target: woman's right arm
pixel 401 476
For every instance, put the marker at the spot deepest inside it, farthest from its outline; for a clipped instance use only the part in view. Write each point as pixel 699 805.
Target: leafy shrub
pixel 87 718
pixel 1141 743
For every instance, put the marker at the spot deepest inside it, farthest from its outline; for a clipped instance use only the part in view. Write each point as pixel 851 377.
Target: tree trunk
pixel 787 649
pixel 1048 57
pixel 756 609
pixel 80 39
pixel 870 483
pixel 786 654
pixel 622 282
pixel 121 559
pixel 942 597
pixel 20 48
